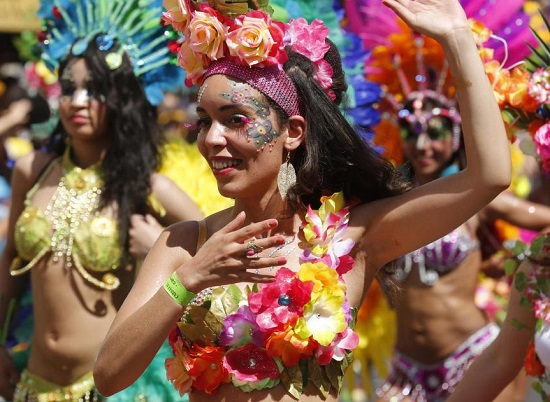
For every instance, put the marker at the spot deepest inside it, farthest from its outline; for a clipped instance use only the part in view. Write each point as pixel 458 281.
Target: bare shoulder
pixel 180 238
pixel 186 234
pixel 28 167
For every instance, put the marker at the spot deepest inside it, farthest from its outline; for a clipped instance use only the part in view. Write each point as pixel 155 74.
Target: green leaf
pixel 519 248
pixel 518 324
pixel 520 281
pixel 319 378
pixel 292 379
pixel 510 266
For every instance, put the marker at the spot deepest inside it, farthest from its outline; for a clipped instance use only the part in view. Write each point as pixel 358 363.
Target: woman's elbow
pixel 104 382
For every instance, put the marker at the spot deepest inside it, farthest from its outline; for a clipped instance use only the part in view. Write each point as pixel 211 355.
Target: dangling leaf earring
pixel 286 177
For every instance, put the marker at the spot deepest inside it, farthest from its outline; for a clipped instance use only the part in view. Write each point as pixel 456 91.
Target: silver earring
pixel 286 177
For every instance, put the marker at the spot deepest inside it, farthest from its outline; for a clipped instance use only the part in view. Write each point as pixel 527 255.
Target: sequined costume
pixel 410 378
pixel 434 382
pixel 32 388
pixel 94 249
pixel 438 257
pixel 71 226
pixel 295 331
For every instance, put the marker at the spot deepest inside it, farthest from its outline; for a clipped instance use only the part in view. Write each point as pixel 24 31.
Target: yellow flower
pixel 324 278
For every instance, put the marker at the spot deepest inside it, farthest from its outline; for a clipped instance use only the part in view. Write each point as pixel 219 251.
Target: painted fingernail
pixel 272 223
pixel 281 260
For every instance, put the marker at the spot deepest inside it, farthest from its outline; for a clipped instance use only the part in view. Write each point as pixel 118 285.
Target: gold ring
pixel 252 248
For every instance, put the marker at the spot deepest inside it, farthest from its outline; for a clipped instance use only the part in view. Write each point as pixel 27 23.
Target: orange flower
pixel 288 346
pixel 205 365
pixel 533 366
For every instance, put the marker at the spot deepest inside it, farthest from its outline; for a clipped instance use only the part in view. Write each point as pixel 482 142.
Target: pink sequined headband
pixel 272 82
pixel 249 39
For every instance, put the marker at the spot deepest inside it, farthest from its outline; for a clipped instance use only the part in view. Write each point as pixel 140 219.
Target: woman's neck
pixel 87 154
pixel 274 207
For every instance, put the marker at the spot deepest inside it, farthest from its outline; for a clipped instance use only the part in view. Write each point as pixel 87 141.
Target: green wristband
pixel 177 291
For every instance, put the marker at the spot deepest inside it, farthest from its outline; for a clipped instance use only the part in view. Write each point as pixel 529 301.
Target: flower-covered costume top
pixel 439 257
pixel 536 286
pixel 294 331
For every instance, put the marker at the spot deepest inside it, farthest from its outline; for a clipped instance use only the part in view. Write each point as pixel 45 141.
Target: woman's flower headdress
pixel 419 72
pixel 245 42
pixel 68 26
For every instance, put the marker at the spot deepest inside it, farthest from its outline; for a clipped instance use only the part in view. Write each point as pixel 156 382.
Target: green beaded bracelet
pixel 177 291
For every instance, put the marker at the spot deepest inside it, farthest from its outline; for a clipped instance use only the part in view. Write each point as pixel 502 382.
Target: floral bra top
pixel 293 331
pixel 438 257
pixel 536 286
pixel 71 227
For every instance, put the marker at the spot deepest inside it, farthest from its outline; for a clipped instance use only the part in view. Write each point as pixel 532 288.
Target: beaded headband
pixel 247 38
pixel 69 26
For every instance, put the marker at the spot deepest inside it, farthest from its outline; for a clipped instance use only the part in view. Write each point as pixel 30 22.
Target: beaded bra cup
pixel 438 257
pixel 71 227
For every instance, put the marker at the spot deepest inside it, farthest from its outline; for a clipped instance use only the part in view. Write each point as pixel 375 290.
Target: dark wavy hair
pixel 134 150
pixel 334 156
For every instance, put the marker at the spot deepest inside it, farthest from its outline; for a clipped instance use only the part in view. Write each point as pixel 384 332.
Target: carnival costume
pixel 413 73
pixel 435 382
pixel 82 235
pixel 295 331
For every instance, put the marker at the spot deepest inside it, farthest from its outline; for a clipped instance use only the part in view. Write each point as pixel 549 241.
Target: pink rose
pixel 193 63
pixel 257 40
pixel 178 13
pixel 308 40
pixel 207 35
pixel 542 142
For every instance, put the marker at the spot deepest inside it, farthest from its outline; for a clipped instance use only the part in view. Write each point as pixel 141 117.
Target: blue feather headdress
pixel 69 25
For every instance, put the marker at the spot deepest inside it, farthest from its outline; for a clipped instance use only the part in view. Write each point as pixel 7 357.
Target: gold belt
pixel 32 388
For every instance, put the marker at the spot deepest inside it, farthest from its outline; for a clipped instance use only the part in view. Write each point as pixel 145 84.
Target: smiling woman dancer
pixel 71 207
pixel 259 299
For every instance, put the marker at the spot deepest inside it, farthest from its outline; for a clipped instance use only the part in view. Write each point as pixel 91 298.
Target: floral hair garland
pixel 251 39
pixel 295 329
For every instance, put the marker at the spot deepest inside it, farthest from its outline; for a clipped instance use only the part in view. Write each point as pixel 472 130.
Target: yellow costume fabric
pixel 32 388
pixel 183 164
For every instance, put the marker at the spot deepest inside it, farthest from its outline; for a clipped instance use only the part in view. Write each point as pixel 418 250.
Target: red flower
pixel 533 366
pixel 251 363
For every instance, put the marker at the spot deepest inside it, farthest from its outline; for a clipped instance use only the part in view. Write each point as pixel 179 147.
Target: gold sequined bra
pixel 70 227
